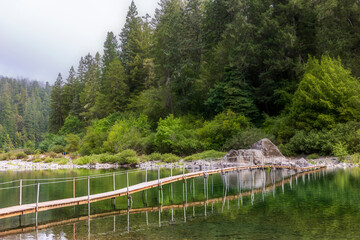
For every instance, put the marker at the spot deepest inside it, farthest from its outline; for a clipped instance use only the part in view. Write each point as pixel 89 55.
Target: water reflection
pixel 205 193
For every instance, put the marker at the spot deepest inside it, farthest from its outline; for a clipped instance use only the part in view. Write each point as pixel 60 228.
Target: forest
pixel 203 75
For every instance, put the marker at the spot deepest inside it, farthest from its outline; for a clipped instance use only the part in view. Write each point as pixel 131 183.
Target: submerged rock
pixel 269 149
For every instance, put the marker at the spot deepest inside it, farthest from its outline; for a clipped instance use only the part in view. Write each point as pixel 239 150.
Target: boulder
pixel 245 156
pixel 269 149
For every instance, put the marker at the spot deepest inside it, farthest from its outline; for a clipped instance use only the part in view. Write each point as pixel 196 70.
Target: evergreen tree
pixel 167 39
pixel 91 86
pixel 56 105
pixel 7 116
pixel 110 50
pixel 135 44
pixel 116 94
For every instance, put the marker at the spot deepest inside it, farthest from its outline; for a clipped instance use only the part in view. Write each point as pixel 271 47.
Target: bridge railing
pixel 15 189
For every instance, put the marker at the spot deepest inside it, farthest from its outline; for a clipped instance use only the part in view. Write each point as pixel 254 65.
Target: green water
pixel 315 206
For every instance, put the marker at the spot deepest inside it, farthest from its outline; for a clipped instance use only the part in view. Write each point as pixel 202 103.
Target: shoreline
pixel 21 165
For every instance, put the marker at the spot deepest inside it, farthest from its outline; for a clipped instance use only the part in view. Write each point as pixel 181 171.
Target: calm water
pixel 321 205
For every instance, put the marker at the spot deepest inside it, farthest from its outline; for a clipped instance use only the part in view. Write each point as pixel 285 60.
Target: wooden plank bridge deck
pixel 43 206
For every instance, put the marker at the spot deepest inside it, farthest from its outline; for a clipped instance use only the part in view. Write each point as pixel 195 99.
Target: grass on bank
pixel 127 156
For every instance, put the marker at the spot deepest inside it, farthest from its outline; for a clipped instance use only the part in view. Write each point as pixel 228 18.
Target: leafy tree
pixel 96 135
pixel 326 95
pixel 172 136
pixel 72 143
pixel 128 133
pixel 72 125
pixel 224 126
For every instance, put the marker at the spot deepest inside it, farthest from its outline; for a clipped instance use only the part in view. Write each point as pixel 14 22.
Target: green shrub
pixel 28 151
pixel 37 160
pixel 144 158
pixel 155 156
pixel 127 156
pixel 62 161
pixel 51 140
pixel 97 134
pixel 72 143
pixel 340 151
pixel 210 154
pixel 107 158
pixel 129 132
pixel 169 158
pixel 3 156
pixel 223 127
pixel 85 160
pixel 131 160
pixel 313 156
pixel 20 155
pixel 310 142
pixel 49 160
pixel 355 158
pixel 173 135
pixel 57 148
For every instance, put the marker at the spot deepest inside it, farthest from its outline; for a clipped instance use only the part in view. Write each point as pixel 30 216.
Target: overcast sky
pixel 40 38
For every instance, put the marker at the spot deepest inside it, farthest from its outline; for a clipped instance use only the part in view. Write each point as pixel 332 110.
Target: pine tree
pixel 110 50
pixel 7 116
pixel 56 105
pixel 116 91
pixel 91 86
pixel 167 39
pixel 135 44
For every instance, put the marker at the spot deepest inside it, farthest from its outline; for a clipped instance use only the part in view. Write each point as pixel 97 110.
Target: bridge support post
pixel 171 185
pixel 73 187
pixel 184 170
pixel 89 196
pixel 114 181
pixel 159 184
pixel 146 174
pixel 114 187
pixel 127 186
pixel 20 192
pixel 37 197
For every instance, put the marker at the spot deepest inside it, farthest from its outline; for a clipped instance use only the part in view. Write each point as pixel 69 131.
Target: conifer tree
pixel 56 105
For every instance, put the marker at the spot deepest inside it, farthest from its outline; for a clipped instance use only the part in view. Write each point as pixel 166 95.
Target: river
pixel 246 205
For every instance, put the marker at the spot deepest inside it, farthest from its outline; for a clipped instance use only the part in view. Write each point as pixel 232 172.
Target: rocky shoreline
pixel 21 165
pixel 263 152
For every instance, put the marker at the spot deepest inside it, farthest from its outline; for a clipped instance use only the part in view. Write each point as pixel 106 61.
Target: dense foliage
pixel 24 112
pixel 214 74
